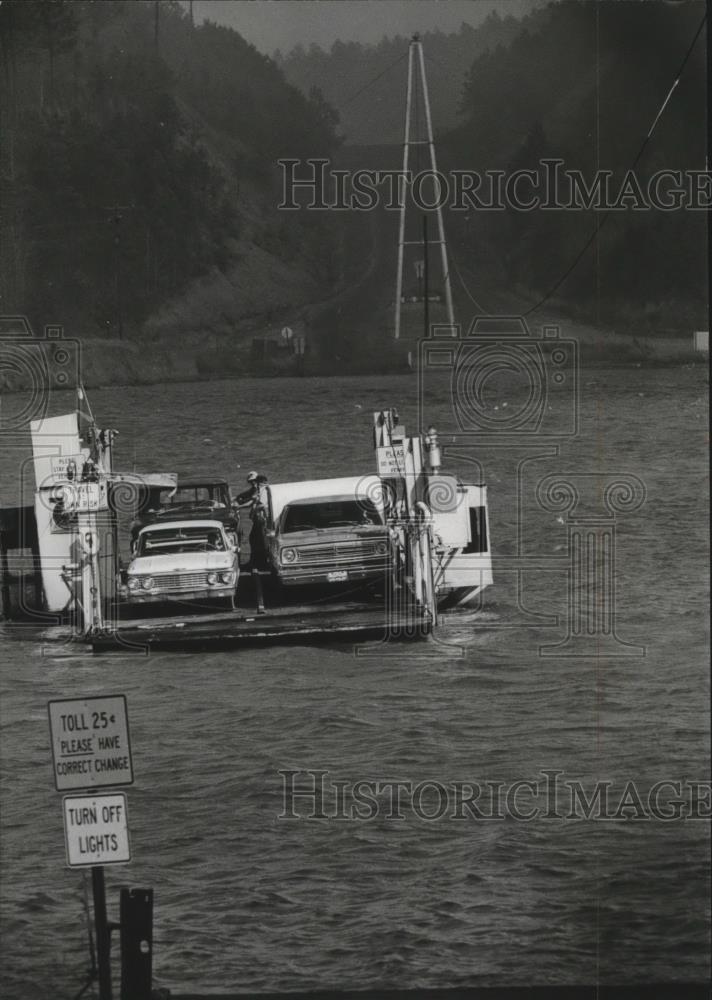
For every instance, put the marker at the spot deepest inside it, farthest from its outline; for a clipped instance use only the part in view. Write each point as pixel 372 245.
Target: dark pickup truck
pixel 329 531
pixel 193 499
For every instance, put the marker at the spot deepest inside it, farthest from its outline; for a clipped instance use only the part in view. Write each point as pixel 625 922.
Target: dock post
pixel 422 560
pixel 38 592
pixel 91 581
pixel 136 923
pixel 259 596
pixel 103 932
pixel 5 579
pixel 426 554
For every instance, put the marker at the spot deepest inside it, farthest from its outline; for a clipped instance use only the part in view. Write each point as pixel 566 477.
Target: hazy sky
pixel 281 24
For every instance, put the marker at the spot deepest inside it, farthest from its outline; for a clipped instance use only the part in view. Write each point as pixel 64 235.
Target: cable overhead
pixel 639 154
pixel 370 83
pixel 457 76
pixel 466 290
pixel 417 96
pixel 460 79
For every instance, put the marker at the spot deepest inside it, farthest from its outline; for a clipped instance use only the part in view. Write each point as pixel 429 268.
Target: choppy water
pixel 247 901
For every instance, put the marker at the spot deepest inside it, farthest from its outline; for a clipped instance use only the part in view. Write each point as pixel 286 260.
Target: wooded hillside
pixel 139 155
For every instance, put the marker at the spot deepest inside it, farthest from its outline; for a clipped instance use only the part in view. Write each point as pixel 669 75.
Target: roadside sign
pixel 90 742
pixel 82 497
pixel 702 341
pixel 96 830
pixel 391 460
pixel 52 469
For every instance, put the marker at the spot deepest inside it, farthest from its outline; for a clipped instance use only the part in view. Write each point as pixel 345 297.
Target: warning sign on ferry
pixel 96 830
pixel 90 742
pixel 391 460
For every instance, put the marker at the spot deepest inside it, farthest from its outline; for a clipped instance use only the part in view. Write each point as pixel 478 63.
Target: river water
pixel 245 900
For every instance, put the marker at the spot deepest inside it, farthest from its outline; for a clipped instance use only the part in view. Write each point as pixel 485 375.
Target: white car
pixel 183 560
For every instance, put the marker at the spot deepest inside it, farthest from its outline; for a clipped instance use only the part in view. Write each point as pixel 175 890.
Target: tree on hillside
pixel 117 181
pixel 377 116
pixel 556 93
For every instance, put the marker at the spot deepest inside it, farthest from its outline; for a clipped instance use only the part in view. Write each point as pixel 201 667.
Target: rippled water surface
pixel 247 901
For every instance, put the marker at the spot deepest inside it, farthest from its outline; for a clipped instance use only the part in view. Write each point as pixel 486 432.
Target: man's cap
pixel 251 476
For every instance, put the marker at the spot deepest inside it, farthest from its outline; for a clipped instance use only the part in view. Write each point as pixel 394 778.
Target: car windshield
pixel 189 496
pixel 167 541
pixel 330 514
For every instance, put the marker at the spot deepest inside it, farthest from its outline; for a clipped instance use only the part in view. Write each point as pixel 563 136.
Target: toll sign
pixel 96 830
pixel 90 742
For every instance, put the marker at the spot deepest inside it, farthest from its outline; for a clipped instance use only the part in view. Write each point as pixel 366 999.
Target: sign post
pixel 103 934
pixel 91 750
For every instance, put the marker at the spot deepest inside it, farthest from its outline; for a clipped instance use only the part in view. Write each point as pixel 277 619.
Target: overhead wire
pixel 604 219
pixel 436 62
pixel 466 290
pixel 371 82
pixel 460 79
pixel 607 215
pixel 429 57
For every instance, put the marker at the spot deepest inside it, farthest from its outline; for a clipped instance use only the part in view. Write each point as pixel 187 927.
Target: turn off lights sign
pixel 96 830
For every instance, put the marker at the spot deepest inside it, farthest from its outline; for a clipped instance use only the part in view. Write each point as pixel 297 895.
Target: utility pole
pixel 416 63
pixel 115 219
pixel 401 220
pixel 426 283
pixel 156 9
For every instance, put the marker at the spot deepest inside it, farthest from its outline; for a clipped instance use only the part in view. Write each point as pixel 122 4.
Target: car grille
pixel 341 553
pixel 181 581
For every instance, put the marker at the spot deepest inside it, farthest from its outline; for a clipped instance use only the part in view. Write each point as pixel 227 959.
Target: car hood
pixel 317 536
pixel 184 562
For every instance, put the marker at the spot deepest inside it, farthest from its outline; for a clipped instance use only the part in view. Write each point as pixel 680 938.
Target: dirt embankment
pixel 209 356
pixel 206 356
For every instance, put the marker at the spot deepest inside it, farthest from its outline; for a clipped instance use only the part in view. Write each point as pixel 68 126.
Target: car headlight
pixel 288 555
pixel 133 583
pixel 212 579
pixel 147 582
pixel 382 548
pixel 227 577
